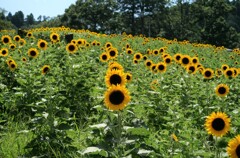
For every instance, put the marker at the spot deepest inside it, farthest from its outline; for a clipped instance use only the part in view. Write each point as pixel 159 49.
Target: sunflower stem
pixel 217 154
pixel 119 133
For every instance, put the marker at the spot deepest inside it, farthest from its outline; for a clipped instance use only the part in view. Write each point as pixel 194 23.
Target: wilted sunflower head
pixel 217 124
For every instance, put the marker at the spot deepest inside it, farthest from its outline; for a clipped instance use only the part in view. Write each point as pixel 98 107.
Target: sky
pixel 50 8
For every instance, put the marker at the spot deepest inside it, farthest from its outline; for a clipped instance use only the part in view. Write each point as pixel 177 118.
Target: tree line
pixel 205 21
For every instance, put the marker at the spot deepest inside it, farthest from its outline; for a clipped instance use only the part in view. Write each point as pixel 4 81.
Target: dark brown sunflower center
pixel 13 66
pixel 128 77
pixel 33 53
pixel 129 52
pixel 224 67
pixel 161 67
pixel 137 56
pixel 45 69
pixel 17 38
pixel 54 37
pixel 4 52
pixel 161 50
pixel 104 57
pixel 144 58
pixel 5 40
pixel 178 57
pixel 116 97
pixel 194 61
pixel 12 46
pixel 222 90
pixel 192 68
pixel 185 60
pixel 208 73
pixel 238 151
pixel 229 73
pixel 167 60
pixel 71 48
pixel 149 64
pixel 42 44
pixel 155 52
pixel 108 45
pixel 153 67
pixel 112 53
pixel 218 124
pixel 115 79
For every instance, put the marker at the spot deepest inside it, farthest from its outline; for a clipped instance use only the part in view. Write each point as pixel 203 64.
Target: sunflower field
pixel 77 93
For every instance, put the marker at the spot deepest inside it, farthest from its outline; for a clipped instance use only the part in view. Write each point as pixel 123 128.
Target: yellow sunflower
pixel 116 97
pixel 161 67
pixel 4 52
pixel 195 60
pixel 217 124
pixel 71 48
pixel 12 65
pixel 191 68
pixel 208 73
pixel 168 59
pixel 42 44
pixel 177 57
pixel 224 67
pixel 129 51
pixel 185 60
pixel 45 69
pixel 128 77
pixel 233 148
pixel 17 38
pixel 113 52
pixel 32 52
pixel 137 56
pixel 148 63
pixel 115 66
pixel 222 90
pixel 108 45
pixel 115 77
pixel 104 57
pixel 54 37
pixel 6 39
pixel 229 73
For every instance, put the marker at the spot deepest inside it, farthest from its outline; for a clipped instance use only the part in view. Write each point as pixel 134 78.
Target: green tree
pixel 18 19
pixel 30 19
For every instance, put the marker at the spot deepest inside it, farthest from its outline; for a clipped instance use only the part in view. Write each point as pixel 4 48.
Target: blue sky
pixel 50 8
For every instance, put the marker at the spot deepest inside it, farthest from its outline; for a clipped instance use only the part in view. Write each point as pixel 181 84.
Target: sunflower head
pixel 128 77
pixel 71 48
pixel 113 52
pixel 115 77
pixel 217 124
pixel 33 52
pixel 116 97
pixel 42 44
pixel 104 57
pixel 161 67
pixel 208 73
pixel 233 148
pixel 185 60
pixel 222 90
pixel 45 69
pixel 4 52
pixel 6 39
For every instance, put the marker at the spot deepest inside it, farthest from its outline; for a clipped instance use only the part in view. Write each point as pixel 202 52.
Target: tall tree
pixel 18 19
pixel 30 19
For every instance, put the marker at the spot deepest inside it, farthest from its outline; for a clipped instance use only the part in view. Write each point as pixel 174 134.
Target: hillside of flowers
pixel 77 93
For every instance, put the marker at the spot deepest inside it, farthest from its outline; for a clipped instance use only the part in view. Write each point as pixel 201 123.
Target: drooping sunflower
pixel 116 97
pixel 161 67
pixel 217 124
pixel 71 48
pixel 54 37
pixel 233 148
pixel 222 90
pixel 104 57
pixel 128 77
pixel 208 73
pixel 16 38
pixel 185 60
pixel 45 69
pixel 113 53
pixel 42 44
pixel 33 52
pixel 115 77
pixel 4 52
pixel 154 68
pixel 6 39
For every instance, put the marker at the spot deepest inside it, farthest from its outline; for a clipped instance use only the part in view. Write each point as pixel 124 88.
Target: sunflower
pixel 162 49
pixel 104 57
pixel 17 38
pixel 208 73
pixel 229 73
pixel 108 45
pixel 29 34
pixel 128 77
pixel 45 69
pixel 235 72
pixel 22 42
pixel 135 61
pixel 155 52
pixel 81 42
pixel 185 60
pixel 195 60
pixel 148 63
pixel 217 124
pixel 113 52
pixel 12 46
pixel 177 57
pixel 154 68
pixel 54 37
pixel 116 97
pixel 233 148
pixel 6 39
pixel 168 59
pixel 115 77
pixel 224 67
pixel 4 52
pixel 145 57
pixel 161 67
pixel 71 48
pixel 24 59
pixel 222 90
pixel 129 51
pixel 12 65
pixel 137 56
pixel 33 52
pixel 174 137
pixel 191 68
pixel 42 44
pixel 115 66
